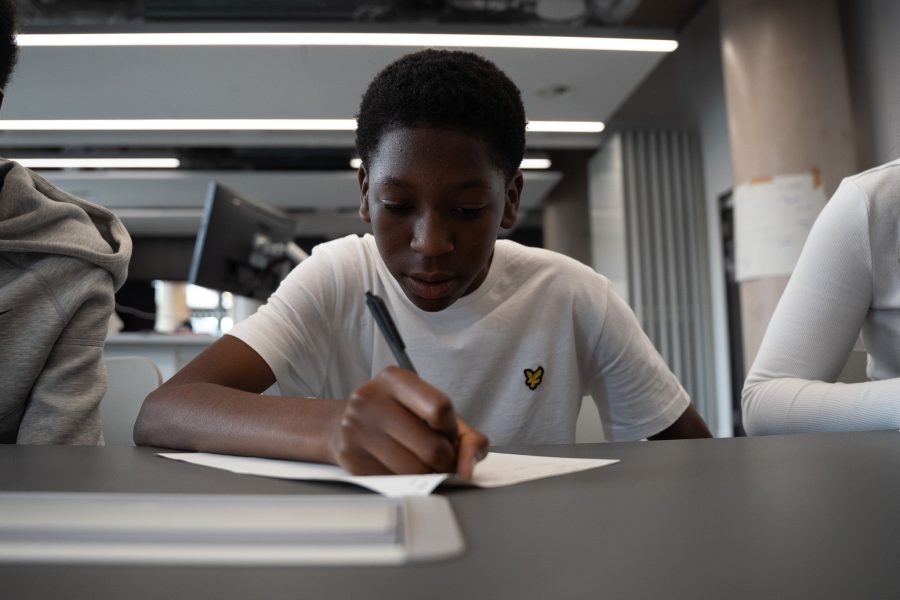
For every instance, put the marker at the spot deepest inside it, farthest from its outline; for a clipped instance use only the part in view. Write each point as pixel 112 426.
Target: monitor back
pixel 222 254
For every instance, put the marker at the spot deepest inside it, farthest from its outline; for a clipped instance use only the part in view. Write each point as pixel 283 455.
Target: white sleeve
pixel 291 332
pixel 635 392
pixel 790 387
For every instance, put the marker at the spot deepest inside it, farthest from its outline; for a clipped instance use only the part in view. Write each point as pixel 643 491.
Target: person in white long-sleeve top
pixel 846 282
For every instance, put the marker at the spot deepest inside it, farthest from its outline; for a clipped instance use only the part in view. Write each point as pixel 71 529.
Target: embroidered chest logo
pixel 533 378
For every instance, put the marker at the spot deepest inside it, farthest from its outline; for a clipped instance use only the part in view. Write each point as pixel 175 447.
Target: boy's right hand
pixel 397 423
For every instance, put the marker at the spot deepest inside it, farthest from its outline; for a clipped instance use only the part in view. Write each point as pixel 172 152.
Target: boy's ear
pixel 363 180
pixel 511 208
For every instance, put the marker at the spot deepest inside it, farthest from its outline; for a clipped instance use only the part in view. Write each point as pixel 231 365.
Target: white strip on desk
pixel 224 529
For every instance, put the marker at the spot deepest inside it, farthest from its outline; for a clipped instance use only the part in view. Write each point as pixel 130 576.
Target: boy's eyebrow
pixel 394 181
pixel 475 182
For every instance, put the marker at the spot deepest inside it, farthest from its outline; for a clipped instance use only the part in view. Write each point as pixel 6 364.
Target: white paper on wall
pixel 771 221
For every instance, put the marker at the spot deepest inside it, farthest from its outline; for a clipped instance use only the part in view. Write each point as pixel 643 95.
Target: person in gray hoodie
pixel 61 261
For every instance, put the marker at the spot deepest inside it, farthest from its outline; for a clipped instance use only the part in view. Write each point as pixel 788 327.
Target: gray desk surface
pixel 808 516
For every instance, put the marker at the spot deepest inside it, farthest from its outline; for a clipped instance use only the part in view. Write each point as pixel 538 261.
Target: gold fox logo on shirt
pixel 533 378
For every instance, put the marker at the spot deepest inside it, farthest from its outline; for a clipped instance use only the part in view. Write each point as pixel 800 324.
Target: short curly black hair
pixel 448 90
pixel 8 49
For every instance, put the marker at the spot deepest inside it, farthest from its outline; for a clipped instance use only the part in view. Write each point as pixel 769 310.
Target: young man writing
pixel 506 339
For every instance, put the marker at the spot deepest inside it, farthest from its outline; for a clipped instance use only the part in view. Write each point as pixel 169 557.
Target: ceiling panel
pixel 283 82
pixel 268 82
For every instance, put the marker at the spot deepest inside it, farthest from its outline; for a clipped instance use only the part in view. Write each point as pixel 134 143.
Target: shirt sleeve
pixel 635 392
pixel 791 385
pixel 64 403
pixel 292 331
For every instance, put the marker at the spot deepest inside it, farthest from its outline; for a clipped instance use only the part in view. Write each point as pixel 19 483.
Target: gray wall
pixel 873 59
pixel 686 90
pixel 565 208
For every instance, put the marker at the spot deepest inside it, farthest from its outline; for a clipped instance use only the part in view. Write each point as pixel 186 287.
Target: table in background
pixel 807 516
pixel 169 352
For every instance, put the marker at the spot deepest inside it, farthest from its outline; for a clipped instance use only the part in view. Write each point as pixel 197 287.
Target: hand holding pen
pixel 398 423
pixel 389 330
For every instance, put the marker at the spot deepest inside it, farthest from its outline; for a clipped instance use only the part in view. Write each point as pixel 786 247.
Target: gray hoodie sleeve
pixel 64 318
pixel 61 260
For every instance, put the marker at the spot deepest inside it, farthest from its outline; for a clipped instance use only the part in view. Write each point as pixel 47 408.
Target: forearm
pixel 689 425
pixel 817 321
pixel 793 405
pixel 213 418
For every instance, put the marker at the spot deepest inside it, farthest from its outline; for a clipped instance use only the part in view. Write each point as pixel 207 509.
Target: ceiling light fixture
pixel 445 40
pixel 527 163
pixel 565 126
pixel 179 125
pixel 535 163
pixel 98 163
pixel 245 125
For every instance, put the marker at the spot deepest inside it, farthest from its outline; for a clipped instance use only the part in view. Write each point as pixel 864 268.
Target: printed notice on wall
pixel 772 218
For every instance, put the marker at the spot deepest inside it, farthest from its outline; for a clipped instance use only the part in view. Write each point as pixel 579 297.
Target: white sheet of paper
pixel 494 471
pixel 387 485
pixel 771 222
pixel 497 470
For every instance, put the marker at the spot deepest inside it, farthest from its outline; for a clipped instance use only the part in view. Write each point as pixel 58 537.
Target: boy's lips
pixel 430 286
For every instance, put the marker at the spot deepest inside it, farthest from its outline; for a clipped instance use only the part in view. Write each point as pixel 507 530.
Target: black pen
pixel 389 330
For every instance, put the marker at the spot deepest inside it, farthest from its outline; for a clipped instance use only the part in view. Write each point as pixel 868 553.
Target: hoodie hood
pixel 36 217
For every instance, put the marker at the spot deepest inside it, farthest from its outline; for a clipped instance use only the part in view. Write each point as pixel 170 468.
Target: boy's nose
pixel 431 236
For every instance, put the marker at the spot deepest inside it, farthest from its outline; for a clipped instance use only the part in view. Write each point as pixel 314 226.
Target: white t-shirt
pixel 535 310
pixel 847 280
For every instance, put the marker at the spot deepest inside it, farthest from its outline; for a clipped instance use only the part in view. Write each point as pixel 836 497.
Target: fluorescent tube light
pixel 535 163
pixel 179 125
pixel 559 126
pixel 98 163
pixel 245 125
pixel 544 42
pixel 527 163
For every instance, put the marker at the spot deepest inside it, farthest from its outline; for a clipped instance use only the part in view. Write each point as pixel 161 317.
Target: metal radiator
pixel 668 255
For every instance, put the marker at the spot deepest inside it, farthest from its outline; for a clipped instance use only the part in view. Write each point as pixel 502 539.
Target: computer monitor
pixel 232 252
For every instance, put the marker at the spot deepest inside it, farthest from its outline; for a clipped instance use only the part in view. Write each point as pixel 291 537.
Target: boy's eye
pixel 396 207
pixel 469 211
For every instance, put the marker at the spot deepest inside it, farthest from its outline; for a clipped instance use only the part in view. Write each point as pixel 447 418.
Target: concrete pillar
pixel 566 218
pixel 788 111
